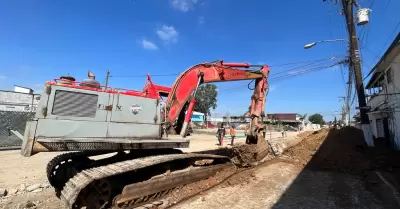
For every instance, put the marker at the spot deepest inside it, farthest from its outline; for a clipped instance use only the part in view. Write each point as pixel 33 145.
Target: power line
pixel 388 39
pixel 387 5
pixel 301 72
pixel 277 65
pixel 137 76
pixel 304 71
pixel 307 65
pixel 302 62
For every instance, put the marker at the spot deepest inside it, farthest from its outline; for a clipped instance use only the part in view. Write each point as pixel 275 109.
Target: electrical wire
pixel 298 73
pixel 277 65
pixel 137 76
pixel 388 39
pixel 307 65
pixel 303 72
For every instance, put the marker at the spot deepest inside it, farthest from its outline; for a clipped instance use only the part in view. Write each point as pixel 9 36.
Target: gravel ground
pixel 285 185
pixel 18 172
pixel 319 172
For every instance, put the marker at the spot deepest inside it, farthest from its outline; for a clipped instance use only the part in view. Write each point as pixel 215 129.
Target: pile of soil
pixel 341 150
pixel 247 154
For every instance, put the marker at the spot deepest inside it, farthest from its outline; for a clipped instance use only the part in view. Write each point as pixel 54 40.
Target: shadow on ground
pixel 340 172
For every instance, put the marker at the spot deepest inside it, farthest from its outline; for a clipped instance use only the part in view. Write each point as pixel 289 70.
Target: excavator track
pixel 152 190
pixel 94 187
pixel 64 166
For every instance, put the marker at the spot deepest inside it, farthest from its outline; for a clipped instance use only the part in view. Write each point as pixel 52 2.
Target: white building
pixel 21 99
pixel 22 89
pixel 383 91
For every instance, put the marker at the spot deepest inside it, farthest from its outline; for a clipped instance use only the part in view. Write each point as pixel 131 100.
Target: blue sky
pixel 43 39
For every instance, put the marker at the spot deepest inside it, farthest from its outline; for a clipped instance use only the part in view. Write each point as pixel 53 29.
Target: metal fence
pixel 15 120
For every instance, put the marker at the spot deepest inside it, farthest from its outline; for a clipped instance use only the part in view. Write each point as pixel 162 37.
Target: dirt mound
pixel 304 134
pixel 247 154
pixel 341 150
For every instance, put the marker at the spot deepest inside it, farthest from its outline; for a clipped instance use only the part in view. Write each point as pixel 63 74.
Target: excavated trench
pixel 342 151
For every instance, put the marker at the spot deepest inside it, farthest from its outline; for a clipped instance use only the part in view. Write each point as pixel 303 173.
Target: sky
pixel 44 39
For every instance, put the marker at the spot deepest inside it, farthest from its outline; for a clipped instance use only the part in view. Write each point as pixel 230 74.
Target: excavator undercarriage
pixel 119 155
pixel 121 182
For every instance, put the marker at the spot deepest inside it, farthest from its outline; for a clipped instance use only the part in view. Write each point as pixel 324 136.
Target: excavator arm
pixel 184 90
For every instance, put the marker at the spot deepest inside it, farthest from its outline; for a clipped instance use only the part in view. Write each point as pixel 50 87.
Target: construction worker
pixel 220 134
pixel 264 130
pixel 232 132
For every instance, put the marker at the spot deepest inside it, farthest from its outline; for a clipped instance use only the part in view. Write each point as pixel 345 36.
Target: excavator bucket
pixel 255 149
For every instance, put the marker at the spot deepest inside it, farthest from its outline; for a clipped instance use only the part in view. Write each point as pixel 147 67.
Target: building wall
pixel 197 117
pixel 394 101
pixel 22 90
pixel 16 101
pixel 391 102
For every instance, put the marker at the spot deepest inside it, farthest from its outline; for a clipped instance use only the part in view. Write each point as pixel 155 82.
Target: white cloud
pixel 201 20
pixel 3 77
pixel 183 5
pixel 168 34
pixel 148 45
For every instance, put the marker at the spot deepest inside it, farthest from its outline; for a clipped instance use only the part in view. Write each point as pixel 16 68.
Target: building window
pixel 389 76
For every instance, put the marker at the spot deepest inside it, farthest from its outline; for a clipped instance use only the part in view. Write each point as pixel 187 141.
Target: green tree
pixel 206 99
pixel 316 119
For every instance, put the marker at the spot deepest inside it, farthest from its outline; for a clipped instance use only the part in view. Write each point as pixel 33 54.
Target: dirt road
pixel 327 169
pixel 17 171
pixel 284 185
pixel 310 174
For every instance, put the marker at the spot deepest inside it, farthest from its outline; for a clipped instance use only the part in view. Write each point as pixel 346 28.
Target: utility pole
pixel 344 111
pixel 107 76
pixel 356 65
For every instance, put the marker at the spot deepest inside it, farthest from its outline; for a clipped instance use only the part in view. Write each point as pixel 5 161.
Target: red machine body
pixel 150 90
pixel 181 96
pixel 184 89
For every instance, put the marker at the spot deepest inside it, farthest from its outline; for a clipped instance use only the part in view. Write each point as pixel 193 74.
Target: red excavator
pixel 115 150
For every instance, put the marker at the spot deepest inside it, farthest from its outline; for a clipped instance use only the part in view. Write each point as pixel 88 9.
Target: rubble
pixel 33 187
pixel 37 190
pixel 28 204
pixel 45 185
pixel 13 191
pixel 22 187
pixel 3 192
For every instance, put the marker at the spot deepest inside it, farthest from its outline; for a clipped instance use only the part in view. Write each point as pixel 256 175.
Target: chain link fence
pixel 15 120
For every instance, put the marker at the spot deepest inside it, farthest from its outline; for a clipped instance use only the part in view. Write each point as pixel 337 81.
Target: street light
pixel 307 46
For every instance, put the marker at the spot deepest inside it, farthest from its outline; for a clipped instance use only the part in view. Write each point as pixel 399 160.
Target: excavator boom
pixel 184 90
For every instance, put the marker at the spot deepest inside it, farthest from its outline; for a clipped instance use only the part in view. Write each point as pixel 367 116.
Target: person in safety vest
pixel 232 132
